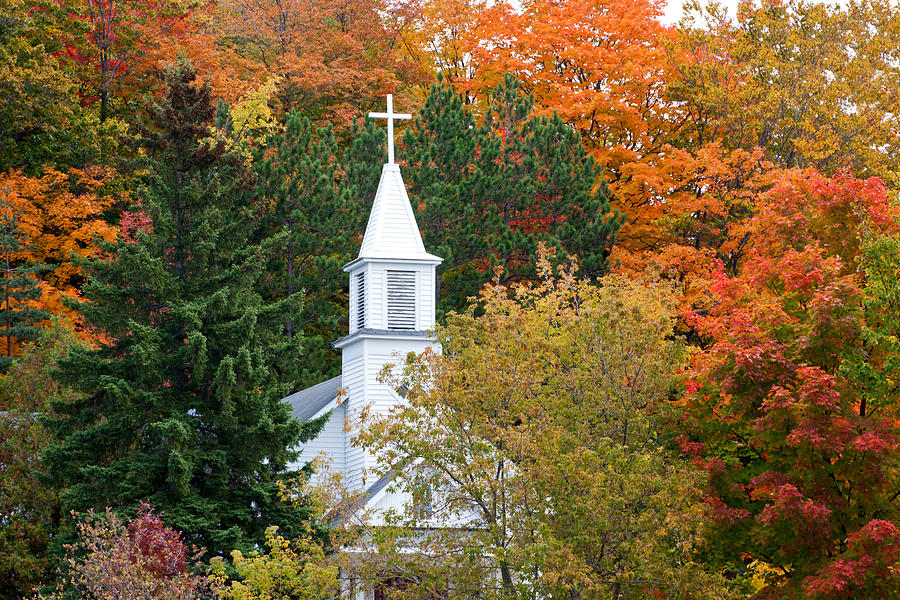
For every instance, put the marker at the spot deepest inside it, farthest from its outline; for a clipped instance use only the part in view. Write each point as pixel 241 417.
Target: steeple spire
pixel 392 231
pixel 392 304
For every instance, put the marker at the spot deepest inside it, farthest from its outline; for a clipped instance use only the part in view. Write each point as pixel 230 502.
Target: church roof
pixel 392 231
pixel 378 486
pixel 305 404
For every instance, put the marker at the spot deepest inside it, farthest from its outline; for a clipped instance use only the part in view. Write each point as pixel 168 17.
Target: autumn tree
pixel 62 215
pixel 603 68
pixel 787 84
pixel 791 407
pixel 137 559
pixel 296 569
pixel 19 319
pixel 181 401
pixel 811 84
pixel 115 49
pixel 332 58
pixel 442 36
pixel 29 509
pixel 41 121
pixel 536 433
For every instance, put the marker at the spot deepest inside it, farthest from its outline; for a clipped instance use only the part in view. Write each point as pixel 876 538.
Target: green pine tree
pixel 181 407
pixel 300 180
pixel 487 193
pixel 18 287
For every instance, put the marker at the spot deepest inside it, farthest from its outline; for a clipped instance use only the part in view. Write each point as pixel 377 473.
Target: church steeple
pixel 392 282
pixel 392 231
pixel 392 301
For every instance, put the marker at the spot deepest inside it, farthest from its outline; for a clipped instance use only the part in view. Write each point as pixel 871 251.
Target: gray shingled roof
pixel 306 403
pixel 378 486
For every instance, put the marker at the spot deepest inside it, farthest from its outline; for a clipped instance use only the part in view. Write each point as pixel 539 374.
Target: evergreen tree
pixel 299 178
pixel 18 319
pixel 181 407
pixel 486 193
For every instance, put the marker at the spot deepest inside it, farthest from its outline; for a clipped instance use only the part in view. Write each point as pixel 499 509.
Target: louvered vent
pixel 360 300
pixel 401 299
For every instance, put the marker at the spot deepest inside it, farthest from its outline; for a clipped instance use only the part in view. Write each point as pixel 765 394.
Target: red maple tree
pixel 789 407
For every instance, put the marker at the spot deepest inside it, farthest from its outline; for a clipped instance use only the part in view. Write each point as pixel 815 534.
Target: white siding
pixel 426 299
pixel 354 382
pixel 329 443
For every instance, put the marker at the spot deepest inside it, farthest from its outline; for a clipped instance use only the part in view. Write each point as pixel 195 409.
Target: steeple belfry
pixel 392 306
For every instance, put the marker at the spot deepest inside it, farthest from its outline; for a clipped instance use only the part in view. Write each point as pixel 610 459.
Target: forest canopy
pixel 181 182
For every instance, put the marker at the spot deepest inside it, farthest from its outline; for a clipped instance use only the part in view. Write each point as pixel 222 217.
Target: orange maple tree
pixel 331 59
pixel 603 66
pixel 61 215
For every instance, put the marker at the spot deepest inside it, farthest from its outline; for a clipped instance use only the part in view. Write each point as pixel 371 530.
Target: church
pixel 392 313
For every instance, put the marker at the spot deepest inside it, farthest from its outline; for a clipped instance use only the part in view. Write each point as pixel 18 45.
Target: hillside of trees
pixel 669 301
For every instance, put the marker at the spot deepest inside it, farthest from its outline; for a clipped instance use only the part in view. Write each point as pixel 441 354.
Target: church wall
pixel 354 384
pixel 329 442
pixel 381 397
pixel 362 364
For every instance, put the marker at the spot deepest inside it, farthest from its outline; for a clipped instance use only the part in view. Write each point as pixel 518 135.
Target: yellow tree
pixel 296 569
pixel 811 84
pixel 536 434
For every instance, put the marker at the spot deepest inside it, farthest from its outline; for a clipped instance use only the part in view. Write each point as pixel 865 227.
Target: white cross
pixel 390 115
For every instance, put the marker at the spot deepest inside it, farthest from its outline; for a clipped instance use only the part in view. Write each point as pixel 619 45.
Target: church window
pixel 360 300
pixel 401 299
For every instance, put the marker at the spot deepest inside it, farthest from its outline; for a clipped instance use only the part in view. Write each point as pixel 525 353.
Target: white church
pixel 392 313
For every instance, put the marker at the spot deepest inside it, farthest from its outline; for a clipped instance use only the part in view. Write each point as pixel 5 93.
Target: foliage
pixel 441 36
pixel 333 58
pixel 140 559
pixel 181 406
pixel 802 80
pixel 603 68
pixel 19 319
pixel 252 119
pixel 786 84
pixel 536 433
pixel 113 47
pixel 308 203
pixel 295 569
pixel 29 509
pixel 62 217
pixel 40 123
pixel 791 408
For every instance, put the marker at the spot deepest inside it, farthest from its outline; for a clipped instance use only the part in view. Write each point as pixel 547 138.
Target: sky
pixel 673 10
